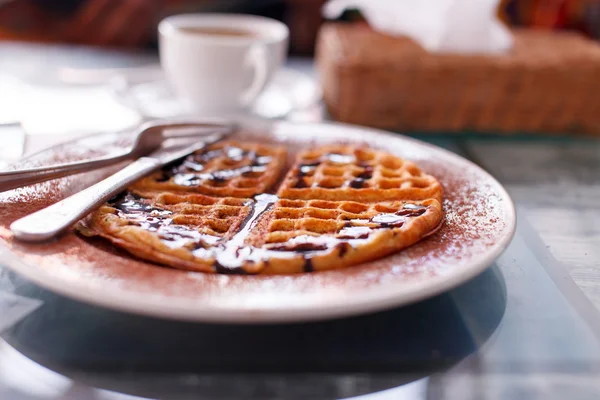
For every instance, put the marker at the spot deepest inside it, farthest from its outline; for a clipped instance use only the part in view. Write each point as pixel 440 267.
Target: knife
pixel 55 219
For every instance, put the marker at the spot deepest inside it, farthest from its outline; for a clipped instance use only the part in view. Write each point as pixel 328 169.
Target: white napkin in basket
pixel 455 26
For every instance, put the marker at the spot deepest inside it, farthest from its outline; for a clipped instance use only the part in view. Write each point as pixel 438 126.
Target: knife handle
pixel 53 220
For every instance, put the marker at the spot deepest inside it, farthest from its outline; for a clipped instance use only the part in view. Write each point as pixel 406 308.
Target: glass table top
pixel 526 328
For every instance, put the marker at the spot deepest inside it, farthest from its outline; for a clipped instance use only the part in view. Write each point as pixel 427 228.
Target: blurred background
pixel 132 23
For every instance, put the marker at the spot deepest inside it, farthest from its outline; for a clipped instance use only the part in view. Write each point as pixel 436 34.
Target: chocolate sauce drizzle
pixel 231 254
pixel 299 247
pixel 308 265
pixel 303 170
pixel 355 232
pixel 307 167
pixel 344 247
pixel 153 219
pixel 340 158
pixel 189 171
pixel 412 210
pixel 358 182
pixel 388 220
pixel 397 219
pixel 130 203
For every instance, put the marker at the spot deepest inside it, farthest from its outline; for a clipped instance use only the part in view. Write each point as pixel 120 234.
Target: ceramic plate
pixel 479 224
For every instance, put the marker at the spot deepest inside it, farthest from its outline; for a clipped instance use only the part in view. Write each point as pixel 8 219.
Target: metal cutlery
pixel 146 139
pixel 53 220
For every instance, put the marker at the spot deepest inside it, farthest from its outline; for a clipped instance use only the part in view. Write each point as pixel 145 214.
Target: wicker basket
pixel 550 82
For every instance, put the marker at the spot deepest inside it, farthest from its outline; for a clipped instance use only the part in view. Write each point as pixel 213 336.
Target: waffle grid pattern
pixel 196 225
pixel 225 169
pixel 213 216
pixel 293 218
pixel 350 173
pixel 206 215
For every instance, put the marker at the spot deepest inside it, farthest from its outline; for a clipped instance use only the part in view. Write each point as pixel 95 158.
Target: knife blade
pixel 49 222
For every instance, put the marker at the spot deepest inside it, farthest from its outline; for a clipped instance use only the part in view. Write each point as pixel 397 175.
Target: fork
pixel 49 222
pixel 147 138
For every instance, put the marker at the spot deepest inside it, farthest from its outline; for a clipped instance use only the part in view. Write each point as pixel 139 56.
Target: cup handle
pixel 256 58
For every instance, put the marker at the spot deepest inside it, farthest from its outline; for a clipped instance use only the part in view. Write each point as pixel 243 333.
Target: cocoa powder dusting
pixel 474 220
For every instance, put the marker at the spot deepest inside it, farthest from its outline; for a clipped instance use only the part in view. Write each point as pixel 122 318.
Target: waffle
pixel 301 229
pixel 356 174
pixel 167 228
pixel 224 169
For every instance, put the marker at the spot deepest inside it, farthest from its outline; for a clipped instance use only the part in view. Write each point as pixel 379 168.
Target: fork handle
pixel 15 179
pixel 53 220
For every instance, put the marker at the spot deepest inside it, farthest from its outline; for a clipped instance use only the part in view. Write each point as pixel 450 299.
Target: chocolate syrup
pixel 412 210
pixel 129 203
pixel 308 265
pixel 340 158
pixel 344 247
pixel 230 255
pixel 176 236
pixel 192 163
pixel 367 173
pixel 304 170
pixel 360 180
pixel 388 220
pixel 154 219
pixel 219 269
pixel 310 165
pixel 205 156
pixel 263 160
pixel 194 166
pixel 300 184
pixel 355 232
pixel 411 213
pixel 151 224
pixel 307 167
pixel 300 247
pixel 237 154
pixel 357 183
pixel 409 206
pixel 219 176
pixel 188 173
pixel 165 176
pixel 234 252
pixel 186 179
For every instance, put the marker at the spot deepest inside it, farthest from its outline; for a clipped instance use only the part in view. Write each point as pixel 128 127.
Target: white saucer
pixel 150 95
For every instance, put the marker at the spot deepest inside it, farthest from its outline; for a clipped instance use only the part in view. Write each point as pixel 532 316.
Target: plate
pixel 149 94
pixel 479 224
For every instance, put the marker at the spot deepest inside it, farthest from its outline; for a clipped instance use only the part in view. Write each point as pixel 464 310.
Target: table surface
pixel 527 328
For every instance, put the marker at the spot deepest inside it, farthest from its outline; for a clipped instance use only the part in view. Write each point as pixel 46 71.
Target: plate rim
pixel 121 300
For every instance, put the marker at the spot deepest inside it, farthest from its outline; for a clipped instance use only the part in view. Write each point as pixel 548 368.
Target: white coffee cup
pixel 220 62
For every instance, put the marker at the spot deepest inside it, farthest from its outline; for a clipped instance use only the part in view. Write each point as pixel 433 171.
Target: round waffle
pixel 338 206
